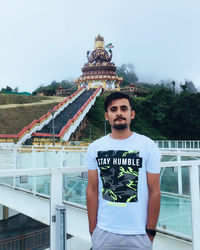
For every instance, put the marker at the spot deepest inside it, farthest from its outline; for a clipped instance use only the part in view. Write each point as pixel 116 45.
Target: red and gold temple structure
pixel 99 70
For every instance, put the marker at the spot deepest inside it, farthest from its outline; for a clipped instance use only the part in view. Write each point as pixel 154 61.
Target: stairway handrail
pixel 71 120
pixel 41 119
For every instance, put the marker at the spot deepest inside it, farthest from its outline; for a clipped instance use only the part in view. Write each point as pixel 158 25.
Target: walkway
pixel 53 99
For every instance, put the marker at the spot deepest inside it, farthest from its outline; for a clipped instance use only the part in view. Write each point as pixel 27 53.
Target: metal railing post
pixel 34 166
pixel 61 157
pixel 195 205
pixel 14 165
pixel 56 200
pixel 180 185
pixel 14 158
pixel 61 232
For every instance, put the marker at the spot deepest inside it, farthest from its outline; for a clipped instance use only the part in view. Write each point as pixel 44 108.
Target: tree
pixel 183 87
pixel 6 90
pixel 16 89
pixel 127 71
pixel 53 86
pixel 190 87
pixel 162 100
pixel 173 86
pixel 185 117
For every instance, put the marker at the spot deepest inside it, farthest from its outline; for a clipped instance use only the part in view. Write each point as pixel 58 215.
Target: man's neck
pixel 121 134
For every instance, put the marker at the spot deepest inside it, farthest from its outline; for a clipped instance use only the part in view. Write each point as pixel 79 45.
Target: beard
pixel 120 126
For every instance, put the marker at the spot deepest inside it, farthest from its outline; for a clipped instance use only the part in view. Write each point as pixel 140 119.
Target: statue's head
pixel 99 42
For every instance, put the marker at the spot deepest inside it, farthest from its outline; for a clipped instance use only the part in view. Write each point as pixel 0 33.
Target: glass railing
pixel 74 189
pixel 20 158
pixel 161 143
pixel 179 144
pixel 175 214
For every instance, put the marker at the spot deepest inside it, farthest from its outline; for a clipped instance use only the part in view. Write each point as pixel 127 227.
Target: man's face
pixel 119 114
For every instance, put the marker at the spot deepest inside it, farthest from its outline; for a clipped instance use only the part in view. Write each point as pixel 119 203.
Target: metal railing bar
pixel 173 234
pixel 40 171
pixel 74 169
pixel 176 195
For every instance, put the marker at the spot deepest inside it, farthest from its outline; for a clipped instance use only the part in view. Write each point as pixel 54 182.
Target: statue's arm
pixel 88 52
pixel 110 57
pixel 91 57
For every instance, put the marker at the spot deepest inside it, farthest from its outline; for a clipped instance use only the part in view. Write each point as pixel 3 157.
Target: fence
pixel 30 241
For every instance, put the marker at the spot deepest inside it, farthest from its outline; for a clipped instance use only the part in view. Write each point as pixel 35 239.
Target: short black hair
pixel 114 96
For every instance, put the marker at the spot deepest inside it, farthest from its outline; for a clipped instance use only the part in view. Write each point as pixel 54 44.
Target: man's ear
pixel 106 116
pixel 132 114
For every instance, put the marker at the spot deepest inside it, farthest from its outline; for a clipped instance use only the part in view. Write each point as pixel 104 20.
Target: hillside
pixel 160 115
pixel 18 111
pixel 19 99
pixel 96 124
pixel 13 120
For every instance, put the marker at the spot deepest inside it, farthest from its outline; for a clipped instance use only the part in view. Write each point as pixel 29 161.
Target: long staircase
pixel 67 113
pixel 63 120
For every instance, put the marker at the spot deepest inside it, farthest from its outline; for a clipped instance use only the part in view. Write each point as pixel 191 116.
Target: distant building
pixel 62 92
pixel 134 90
pixel 40 94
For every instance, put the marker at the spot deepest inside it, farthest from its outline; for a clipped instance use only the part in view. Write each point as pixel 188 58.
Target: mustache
pixel 120 118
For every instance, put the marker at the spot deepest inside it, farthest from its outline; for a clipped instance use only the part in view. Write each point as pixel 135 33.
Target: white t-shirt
pixel 122 181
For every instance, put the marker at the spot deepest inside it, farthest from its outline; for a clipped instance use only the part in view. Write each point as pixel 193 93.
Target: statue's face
pixel 98 45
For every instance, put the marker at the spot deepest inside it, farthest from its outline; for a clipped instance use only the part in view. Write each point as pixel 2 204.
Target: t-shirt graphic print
pixel 119 172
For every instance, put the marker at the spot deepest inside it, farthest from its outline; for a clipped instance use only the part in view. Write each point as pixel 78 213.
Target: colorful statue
pixel 99 70
pixel 99 54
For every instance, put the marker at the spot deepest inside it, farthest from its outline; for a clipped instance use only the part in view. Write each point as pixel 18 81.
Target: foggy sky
pixel 46 40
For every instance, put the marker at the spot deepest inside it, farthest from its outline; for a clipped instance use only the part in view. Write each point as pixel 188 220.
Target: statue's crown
pixel 99 38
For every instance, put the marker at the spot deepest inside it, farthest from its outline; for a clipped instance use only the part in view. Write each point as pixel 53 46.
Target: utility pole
pixel 105 127
pixel 173 86
pixel 53 127
pixel 90 131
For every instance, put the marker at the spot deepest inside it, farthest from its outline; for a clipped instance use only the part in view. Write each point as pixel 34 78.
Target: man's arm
pixel 153 181
pixel 92 199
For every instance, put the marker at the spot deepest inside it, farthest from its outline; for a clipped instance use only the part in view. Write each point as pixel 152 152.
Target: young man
pixel 123 193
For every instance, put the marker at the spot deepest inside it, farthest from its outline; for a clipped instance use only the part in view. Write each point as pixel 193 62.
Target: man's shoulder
pixel 144 138
pixel 147 143
pixel 98 141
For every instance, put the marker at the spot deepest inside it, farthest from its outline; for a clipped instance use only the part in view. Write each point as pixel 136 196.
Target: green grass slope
pixel 13 120
pixel 19 99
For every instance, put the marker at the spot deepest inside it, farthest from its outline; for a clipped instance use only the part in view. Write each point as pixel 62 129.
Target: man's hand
pixel 91 231
pixel 153 181
pixel 92 199
pixel 150 237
